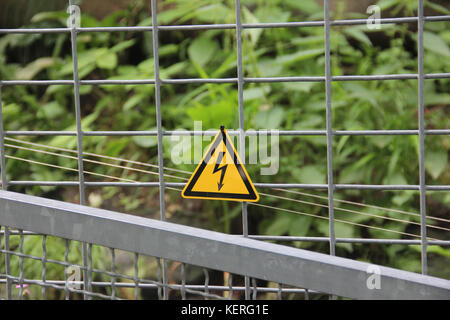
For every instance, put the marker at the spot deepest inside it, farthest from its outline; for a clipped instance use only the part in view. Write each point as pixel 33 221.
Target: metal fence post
pixel 240 83
pixel 160 130
pixel 423 200
pixel 79 134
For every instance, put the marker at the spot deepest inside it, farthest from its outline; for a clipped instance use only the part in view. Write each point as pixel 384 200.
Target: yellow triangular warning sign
pixel 221 175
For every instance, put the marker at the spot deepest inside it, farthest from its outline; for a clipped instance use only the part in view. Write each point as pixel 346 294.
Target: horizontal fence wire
pixel 128 168
pixel 250 288
pixel 68 286
pixel 113 260
pixel 73 288
pixel 227 26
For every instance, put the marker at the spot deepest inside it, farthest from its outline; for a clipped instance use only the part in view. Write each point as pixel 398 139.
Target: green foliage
pixel 357 105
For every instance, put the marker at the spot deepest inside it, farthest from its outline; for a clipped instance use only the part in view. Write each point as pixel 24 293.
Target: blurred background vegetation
pixel 357 105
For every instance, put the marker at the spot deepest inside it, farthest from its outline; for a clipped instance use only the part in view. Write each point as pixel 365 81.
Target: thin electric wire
pixel 91 161
pixel 187 172
pixel 150 172
pixel 352 211
pixel 95 155
pixel 66 168
pixel 339 220
pixel 360 204
pixel 326 218
pixel 271 207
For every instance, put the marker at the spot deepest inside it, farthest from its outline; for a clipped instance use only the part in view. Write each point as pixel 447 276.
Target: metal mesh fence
pixel 161 279
pixel 137 277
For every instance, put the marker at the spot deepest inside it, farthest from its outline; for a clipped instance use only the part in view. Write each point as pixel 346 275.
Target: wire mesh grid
pixel 117 275
pixel 248 286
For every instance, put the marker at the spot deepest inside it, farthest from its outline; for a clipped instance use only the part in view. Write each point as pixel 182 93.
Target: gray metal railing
pixel 187 245
pixel 240 80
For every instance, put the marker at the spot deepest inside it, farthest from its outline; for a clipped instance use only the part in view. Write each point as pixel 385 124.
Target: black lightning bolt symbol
pixel 223 169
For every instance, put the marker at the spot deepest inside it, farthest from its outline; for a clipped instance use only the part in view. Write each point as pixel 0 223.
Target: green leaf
pixel 435 43
pixel 256 93
pixel 344 230
pixel 299 86
pixel 310 121
pixel 201 50
pixel 288 59
pixel 122 45
pixel 386 4
pixel 167 49
pixel 174 69
pixel 308 7
pixel 107 61
pixel 437 7
pixel 269 13
pixel 85 89
pixel 70 142
pixel 397 179
pixel 300 225
pixel 381 141
pixel 309 40
pixel 434 249
pixel 269 119
pixel 33 68
pixel 132 102
pixel 51 110
pixel 50 15
pixel 403 197
pixel 215 115
pixel 11 110
pixel 436 98
pixel 145 142
pixel 310 174
pixel 351 175
pixel 280 226
pixel 435 162
pixel 355 32
pixel 253 33
pixel 212 13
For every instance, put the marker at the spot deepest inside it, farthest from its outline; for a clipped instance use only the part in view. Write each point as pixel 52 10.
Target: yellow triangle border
pixel 187 192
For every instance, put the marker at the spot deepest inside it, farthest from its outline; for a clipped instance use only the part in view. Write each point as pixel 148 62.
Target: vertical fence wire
pixel 2 145
pixel 422 190
pixel 79 131
pixel 4 187
pixel 113 270
pixel 183 281
pixel 280 291
pixel 1 298
pixel 89 288
pixel 240 83
pixel 44 266
pixel 158 275
pixel 136 276
pixel 255 289
pixel 66 269
pixel 159 129
pixel 21 271
pixel 329 125
pixel 206 273
pixel 329 120
pixel 7 266
pixel 230 286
